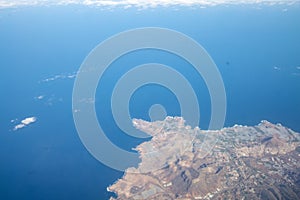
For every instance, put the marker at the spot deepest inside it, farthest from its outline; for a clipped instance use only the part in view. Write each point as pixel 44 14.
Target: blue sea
pixel 256 49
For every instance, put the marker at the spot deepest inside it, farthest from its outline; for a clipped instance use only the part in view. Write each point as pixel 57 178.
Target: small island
pixel 239 162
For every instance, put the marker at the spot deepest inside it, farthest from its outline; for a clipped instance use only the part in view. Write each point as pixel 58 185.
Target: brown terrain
pixel 240 162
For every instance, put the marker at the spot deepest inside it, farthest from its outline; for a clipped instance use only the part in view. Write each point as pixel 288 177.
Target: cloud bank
pixel 140 3
pixel 25 122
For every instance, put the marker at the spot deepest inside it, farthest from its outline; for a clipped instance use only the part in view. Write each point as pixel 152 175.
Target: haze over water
pixel 256 48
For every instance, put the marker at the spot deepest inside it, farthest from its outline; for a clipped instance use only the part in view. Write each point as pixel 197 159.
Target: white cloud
pixel 25 122
pixel 40 97
pixel 140 3
pixel 76 110
pixel 28 120
pixel 19 126
pixel 60 76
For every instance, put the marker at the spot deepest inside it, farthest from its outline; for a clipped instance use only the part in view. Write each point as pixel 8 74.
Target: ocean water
pixel 255 48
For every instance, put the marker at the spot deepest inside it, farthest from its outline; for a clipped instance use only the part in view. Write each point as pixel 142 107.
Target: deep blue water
pixel 46 160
